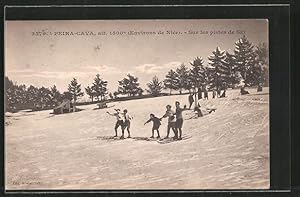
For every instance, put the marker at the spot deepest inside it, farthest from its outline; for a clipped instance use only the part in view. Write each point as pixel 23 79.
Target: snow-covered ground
pixel 227 149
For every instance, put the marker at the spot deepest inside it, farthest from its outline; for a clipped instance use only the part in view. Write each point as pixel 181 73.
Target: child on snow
pixel 156 124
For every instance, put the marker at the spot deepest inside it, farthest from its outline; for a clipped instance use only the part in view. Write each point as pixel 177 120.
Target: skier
pixel 119 123
pixel 171 122
pixel 179 119
pixel 156 124
pixel 127 121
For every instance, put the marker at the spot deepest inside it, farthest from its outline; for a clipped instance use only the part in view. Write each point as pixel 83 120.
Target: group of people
pixel 123 121
pixel 214 95
pixel 175 121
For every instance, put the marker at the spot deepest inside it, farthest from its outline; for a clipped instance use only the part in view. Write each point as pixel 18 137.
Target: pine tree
pixel 182 74
pixel 44 97
pixel 171 81
pixel 262 54
pixel 32 96
pixel 262 61
pixel 130 86
pixel 245 60
pixel 10 95
pixel 198 73
pixel 55 95
pixel 75 89
pixel 155 86
pixel 90 92
pixel 230 64
pixel 218 72
pixel 8 83
pixel 99 87
pixel 198 76
pixel 189 81
pixel 18 96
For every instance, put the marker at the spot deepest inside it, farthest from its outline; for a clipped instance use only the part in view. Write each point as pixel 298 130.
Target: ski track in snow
pixel 227 149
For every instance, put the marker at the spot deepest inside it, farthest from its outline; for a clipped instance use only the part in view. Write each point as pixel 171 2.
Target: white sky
pixel 49 60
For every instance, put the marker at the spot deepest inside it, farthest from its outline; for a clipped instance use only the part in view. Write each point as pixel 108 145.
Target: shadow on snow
pixel 158 140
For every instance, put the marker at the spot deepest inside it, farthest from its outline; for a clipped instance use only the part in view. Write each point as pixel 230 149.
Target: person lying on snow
pixel 200 111
pixel 243 91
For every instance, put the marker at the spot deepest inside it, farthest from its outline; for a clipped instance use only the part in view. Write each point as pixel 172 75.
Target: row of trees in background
pixel 224 70
pixel 21 97
pixel 98 89
pixel 128 86
pixel 248 64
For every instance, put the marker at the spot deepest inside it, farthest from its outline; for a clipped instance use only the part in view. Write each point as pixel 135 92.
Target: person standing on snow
pixel 191 100
pixel 171 122
pixel 127 121
pixel 119 123
pixel 179 119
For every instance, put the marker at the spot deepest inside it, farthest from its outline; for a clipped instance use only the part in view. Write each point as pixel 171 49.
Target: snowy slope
pixel 227 149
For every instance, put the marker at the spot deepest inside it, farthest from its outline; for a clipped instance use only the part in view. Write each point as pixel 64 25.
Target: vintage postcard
pixel 137 104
